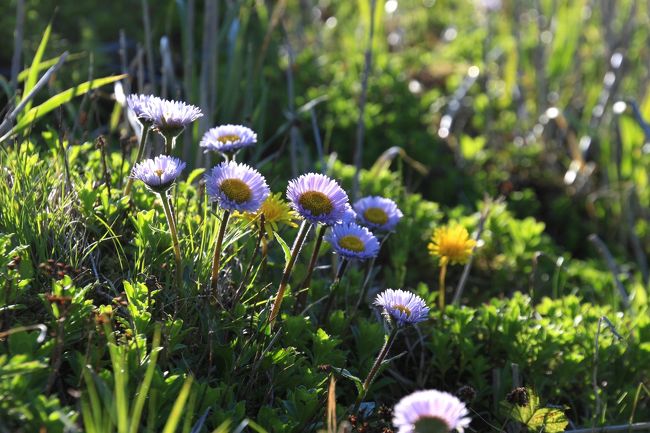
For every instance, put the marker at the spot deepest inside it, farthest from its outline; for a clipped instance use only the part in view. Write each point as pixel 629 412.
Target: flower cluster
pixel 352 230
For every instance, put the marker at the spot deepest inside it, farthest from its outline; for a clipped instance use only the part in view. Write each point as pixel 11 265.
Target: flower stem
pixel 304 286
pixel 441 293
pixel 143 142
pixel 216 262
pixel 170 142
pixel 335 285
pixel 297 245
pixel 172 228
pixel 375 368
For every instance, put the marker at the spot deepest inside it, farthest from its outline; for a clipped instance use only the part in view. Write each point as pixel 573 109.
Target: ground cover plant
pixel 372 216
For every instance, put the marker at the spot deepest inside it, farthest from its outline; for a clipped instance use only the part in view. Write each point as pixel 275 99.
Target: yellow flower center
pixel 159 172
pixel 236 190
pixel 432 424
pixel 452 244
pixel 228 138
pixel 404 309
pixel 316 202
pixel 376 216
pixel 352 243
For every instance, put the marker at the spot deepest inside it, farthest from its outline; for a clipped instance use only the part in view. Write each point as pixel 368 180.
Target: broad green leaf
pixel 32 75
pixel 552 420
pixel 60 99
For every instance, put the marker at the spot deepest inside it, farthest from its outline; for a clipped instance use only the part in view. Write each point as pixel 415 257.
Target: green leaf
pixel 22 76
pixel 552 420
pixel 60 99
pixel 285 247
pixel 346 374
pixel 177 409
pixel 32 75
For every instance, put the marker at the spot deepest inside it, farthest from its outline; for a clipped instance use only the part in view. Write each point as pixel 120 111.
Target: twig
pixel 18 42
pixel 640 426
pixel 613 267
pixel 358 150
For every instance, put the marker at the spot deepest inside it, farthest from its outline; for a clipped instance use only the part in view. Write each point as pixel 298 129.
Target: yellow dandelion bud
pixel 451 244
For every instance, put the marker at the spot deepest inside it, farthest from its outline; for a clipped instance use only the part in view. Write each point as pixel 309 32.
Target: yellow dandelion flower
pixel 276 211
pixel 451 244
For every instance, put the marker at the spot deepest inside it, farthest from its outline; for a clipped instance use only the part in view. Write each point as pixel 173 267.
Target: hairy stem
pixel 297 245
pixel 304 286
pixel 216 261
pixel 441 293
pixel 375 368
pixel 172 228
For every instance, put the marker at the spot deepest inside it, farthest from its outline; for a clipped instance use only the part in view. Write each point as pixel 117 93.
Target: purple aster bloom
pixel 378 213
pixel 430 411
pixel 159 173
pixel 236 187
pixel 404 307
pixel 352 241
pixel 171 117
pixel 228 138
pixel 140 105
pixel 349 216
pixel 317 198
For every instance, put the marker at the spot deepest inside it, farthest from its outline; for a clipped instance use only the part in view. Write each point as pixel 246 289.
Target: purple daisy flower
pixel 228 138
pixel 140 105
pixel 352 241
pixel 171 117
pixel 159 173
pixel 349 216
pixel 378 212
pixel 404 307
pixel 430 411
pixel 317 198
pixel 236 187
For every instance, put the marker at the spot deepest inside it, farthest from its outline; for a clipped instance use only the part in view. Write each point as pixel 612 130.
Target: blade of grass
pixel 143 389
pixel 177 410
pixel 32 75
pixel 60 99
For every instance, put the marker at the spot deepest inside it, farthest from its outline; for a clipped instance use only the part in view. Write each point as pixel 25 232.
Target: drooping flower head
pixel 276 211
pixel 158 173
pixel 171 117
pixel 451 244
pixel 317 198
pixel 402 306
pixel 140 105
pixel 228 138
pixel 236 187
pixel 352 241
pixel 430 411
pixel 378 212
